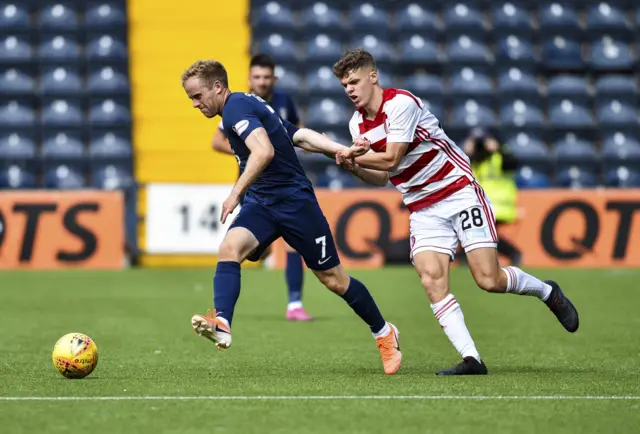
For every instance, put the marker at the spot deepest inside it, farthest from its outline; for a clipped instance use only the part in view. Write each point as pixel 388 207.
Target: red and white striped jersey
pixel 433 167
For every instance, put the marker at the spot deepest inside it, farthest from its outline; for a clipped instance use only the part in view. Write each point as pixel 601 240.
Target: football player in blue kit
pixel 279 201
pixel 262 81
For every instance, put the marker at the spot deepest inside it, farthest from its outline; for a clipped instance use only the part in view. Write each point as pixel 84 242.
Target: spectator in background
pixel 262 81
pixel 494 169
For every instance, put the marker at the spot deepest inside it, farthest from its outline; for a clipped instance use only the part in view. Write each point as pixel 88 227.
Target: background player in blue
pixel 278 201
pixel 262 81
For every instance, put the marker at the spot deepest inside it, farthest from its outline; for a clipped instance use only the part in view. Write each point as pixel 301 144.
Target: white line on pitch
pixel 324 398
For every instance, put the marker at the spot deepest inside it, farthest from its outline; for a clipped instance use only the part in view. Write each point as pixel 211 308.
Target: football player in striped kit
pixel 410 149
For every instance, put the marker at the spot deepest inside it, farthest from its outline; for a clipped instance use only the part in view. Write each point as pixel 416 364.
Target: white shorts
pixel 465 216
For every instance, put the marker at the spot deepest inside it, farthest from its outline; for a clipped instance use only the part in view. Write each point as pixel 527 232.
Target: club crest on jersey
pixel 240 127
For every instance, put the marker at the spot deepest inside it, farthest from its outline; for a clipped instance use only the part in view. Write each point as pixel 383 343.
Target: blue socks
pixel 294 276
pixel 226 289
pixel 360 300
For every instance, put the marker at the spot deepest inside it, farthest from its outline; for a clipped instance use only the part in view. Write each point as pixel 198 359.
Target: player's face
pixel 359 85
pixel 204 98
pixel 261 81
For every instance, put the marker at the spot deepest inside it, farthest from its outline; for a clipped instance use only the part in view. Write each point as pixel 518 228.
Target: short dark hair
pixel 263 61
pixel 352 60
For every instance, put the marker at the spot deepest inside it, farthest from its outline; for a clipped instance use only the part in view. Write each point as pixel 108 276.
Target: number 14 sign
pixel 185 218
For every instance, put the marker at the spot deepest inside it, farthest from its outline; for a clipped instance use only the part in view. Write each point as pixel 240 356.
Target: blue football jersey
pixel 284 176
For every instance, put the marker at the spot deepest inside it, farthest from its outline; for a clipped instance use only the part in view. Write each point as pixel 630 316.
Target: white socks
pixel 521 283
pixel 294 305
pixel 385 331
pixel 451 319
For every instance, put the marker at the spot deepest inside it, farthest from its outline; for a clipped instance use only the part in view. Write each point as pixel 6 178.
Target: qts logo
pixel 43 230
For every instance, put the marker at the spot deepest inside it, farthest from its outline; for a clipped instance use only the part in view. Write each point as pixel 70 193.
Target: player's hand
pixel 349 164
pixel 342 156
pixel 228 206
pixel 360 146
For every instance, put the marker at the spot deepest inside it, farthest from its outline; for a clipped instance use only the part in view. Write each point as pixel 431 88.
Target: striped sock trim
pixel 512 279
pixel 446 306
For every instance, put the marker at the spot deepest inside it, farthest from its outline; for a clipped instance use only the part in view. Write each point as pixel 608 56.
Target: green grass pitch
pixel 140 320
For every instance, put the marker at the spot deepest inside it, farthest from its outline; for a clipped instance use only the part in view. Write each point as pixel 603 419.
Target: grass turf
pixel 140 320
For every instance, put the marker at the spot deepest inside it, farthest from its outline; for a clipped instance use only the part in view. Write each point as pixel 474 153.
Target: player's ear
pixel 373 76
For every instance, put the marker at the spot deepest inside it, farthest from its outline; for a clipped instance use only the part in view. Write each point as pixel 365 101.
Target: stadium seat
pixel 620 149
pixel 14 113
pixel 510 18
pixel 514 50
pixel 469 82
pixel 614 85
pixel 58 16
pixel 515 81
pixel 111 177
pixel 288 80
pixel 108 80
pixel 378 47
pixel 573 177
pixel 323 49
pixel 61 80
pixel 106 48
pixel 604 17
pixel 16 81
pixel 59 48
pixel 109 112
pixel 608 54
pixel 521 114
pixel 562 53
pixel 105 15
pixel 567 113
pixel 559 18
pixel 529 151
pixel 62 112
pixel 15 145
pixel 571 151
pixel 366 18
pixel 282 49
pixel 321 18
pixel 422 83
pixel 471 114
pixel 462 17
pixel 616 113
pixel 14 16
pixel 322 80
pixel 271 17
pixel 529 178
pixel 64 177
pixel 15 48
pixel 335 179
pixel 434 104
pixel 413 19
pixel 327 113
pixel 385 79
pixel 62 147
pixel 416 50
pixel 623 177
pixel 110 147
pixel 466 50
pixel 565 86
pixel 16 177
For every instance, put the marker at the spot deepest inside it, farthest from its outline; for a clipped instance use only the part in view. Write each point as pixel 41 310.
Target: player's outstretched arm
pixel 220 142
pixel 378 178
pixel 312 141
pixel 387 160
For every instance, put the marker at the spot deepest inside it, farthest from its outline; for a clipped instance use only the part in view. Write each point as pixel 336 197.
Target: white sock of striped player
pixel 521 283
pixel 451 319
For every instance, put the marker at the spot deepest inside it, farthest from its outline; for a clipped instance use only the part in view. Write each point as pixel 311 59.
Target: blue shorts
pixel 300 221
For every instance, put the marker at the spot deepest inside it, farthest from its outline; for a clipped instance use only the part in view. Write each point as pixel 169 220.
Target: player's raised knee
pixel 230 251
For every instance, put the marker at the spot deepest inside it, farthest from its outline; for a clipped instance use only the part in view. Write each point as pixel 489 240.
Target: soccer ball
pixel 75 355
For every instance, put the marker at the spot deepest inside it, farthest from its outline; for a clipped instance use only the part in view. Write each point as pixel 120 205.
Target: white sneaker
pixel 212 328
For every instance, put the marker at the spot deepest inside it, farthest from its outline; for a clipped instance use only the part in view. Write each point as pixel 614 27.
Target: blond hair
pixel 208 70
pixel 353 60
